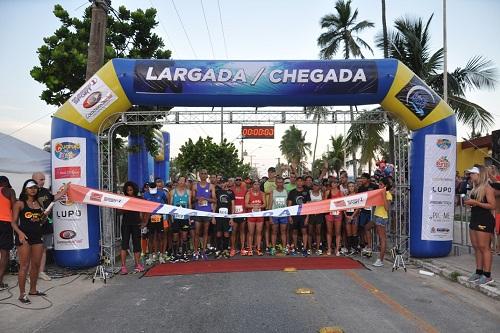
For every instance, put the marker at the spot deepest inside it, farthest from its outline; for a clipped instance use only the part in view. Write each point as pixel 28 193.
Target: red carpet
pixel 253 264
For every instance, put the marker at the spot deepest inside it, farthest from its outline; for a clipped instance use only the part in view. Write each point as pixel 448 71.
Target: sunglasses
pixel 238 179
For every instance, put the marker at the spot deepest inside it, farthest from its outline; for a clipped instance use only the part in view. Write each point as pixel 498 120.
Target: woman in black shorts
pixel 482 223
pixel 131 228
pixel 27 220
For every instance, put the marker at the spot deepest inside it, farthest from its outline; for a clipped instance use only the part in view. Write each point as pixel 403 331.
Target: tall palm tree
pixel 318 113
pixel 342 33
pixel 337 153
pixel 410 43
pixel 294 146
pixel 367 136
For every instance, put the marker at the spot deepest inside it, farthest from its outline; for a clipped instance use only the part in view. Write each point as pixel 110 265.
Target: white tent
pixel 18 161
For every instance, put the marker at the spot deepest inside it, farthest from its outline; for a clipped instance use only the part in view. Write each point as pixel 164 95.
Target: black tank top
pixel 30 220
pixel 480 214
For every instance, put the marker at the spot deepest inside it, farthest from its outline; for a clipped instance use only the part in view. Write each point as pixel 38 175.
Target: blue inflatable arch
pixel 122 83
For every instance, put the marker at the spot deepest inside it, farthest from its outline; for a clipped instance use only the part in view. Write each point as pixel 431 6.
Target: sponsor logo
pixel 433 230
pixel 112 200
pixel 418 98
pixel 92 99
pixel 443 230
pixel 443 143
pixel 442 189
pixel 69 214
pixel 95 196
pixel 442 163
pixel 67 172
pixel 28 215
pixel 439 179
pixel 66 150
pixel 67 234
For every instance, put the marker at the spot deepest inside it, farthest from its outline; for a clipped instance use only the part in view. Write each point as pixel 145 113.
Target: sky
pixel 253 30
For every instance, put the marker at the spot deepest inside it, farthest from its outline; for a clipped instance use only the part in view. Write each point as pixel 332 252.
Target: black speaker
pixel 495 149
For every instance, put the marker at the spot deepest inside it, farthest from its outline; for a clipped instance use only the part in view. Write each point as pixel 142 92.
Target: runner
pixel 351 220
pixel 277 199
pixel 28 211
pixel 155 223
pixel 333 220
pixel 239 224
pixel 225 205
pixel 293 182
pixel 299 196
pixel 269 186
pixel 255 201
pixel 132 222
pixel 7 201
pixel 381 217
pixel 180 196
pixel 204 196
pixel 344 181
pixel 316 220
pixel 365 218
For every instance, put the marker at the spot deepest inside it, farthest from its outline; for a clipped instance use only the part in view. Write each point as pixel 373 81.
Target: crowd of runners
pixel 181 238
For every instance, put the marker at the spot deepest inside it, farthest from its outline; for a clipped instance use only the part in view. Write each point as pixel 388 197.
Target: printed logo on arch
pixel 418 97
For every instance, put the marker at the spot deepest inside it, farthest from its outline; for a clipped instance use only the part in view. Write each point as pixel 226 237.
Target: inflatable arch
pixel 123 82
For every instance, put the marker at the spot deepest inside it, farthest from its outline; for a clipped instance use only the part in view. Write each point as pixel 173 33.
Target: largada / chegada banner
pixel 85 195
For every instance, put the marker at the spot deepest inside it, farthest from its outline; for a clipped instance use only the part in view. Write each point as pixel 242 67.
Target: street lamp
pixel 250 154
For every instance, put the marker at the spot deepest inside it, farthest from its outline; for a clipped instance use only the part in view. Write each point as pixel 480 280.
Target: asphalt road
pixel 355 300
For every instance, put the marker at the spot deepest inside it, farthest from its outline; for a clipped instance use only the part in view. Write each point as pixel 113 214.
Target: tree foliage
pixel 63 56
pixel 294 146
pixel 216 158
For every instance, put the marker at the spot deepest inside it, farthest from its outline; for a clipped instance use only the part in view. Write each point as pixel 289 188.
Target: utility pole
pixel 445 56
pixel 95 56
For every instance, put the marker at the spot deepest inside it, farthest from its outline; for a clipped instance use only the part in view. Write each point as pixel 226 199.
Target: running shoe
pixel 232 253
pixel 378 263
pixel 124 270
pixel 204 255
pixel 226 254
pixel 474 277
pixel 328 253
pixel 162 259
pixel 259 252
pixel 243 252
pixel 218 255
pixel 344 250
pixel 272 252
pixel 250 253
pixel 44 276
pixel 305 252
pixel 293 252
pixel 319 252
pixel 196 256
pixel 139 268
pixel 268 250
pixel 309 252
pixel 3 286
pixel 483 280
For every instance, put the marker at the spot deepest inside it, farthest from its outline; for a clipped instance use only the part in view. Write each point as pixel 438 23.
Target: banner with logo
pixel 439 188
pixel 69 160
pixel 90 196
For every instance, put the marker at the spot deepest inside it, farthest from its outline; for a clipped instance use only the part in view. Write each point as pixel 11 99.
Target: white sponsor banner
pixel 92 98
pixel 69 161
pixel 106 199
pixel 439 188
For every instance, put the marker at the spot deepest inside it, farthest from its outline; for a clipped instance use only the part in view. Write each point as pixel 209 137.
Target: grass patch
pixel 454 276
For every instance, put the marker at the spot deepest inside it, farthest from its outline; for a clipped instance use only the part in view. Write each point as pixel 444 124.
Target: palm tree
pixel 367 136
pixel 294 146
pixel 342 32
pixel 337 153
pixel 410 43
pixel 318 113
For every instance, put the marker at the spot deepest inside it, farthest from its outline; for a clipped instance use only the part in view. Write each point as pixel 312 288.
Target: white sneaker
pixel 44 276
pixel 378 263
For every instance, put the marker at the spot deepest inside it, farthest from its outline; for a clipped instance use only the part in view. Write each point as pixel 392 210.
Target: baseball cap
pixel 316 182
pixel 473 170
pixel 31 183
pixel 152 188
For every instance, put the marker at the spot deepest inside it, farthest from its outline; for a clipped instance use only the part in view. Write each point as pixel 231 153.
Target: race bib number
pixel 280 202
pixel 203 203
pixel 335 212
pixel 350 210
pixel 223 211
pixel 256 209
pixel 238 209
pixel 156 218
pixel 179 216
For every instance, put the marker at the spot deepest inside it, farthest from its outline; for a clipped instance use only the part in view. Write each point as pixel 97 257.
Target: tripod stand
pixel 100 271
pixel 399 261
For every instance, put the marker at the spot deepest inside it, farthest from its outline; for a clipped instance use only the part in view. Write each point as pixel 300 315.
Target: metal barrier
pixel 461 239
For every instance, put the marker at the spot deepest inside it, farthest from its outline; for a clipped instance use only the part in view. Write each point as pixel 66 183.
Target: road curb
pixel 457 275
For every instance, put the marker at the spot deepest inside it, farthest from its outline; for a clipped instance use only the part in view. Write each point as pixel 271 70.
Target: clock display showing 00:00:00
pixel 257 132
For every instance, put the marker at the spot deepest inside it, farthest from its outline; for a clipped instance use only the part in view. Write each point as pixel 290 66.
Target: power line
pixel 183 28
pixel 6 136
pixel 208 30
pixel 222 25
pixel 165 30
